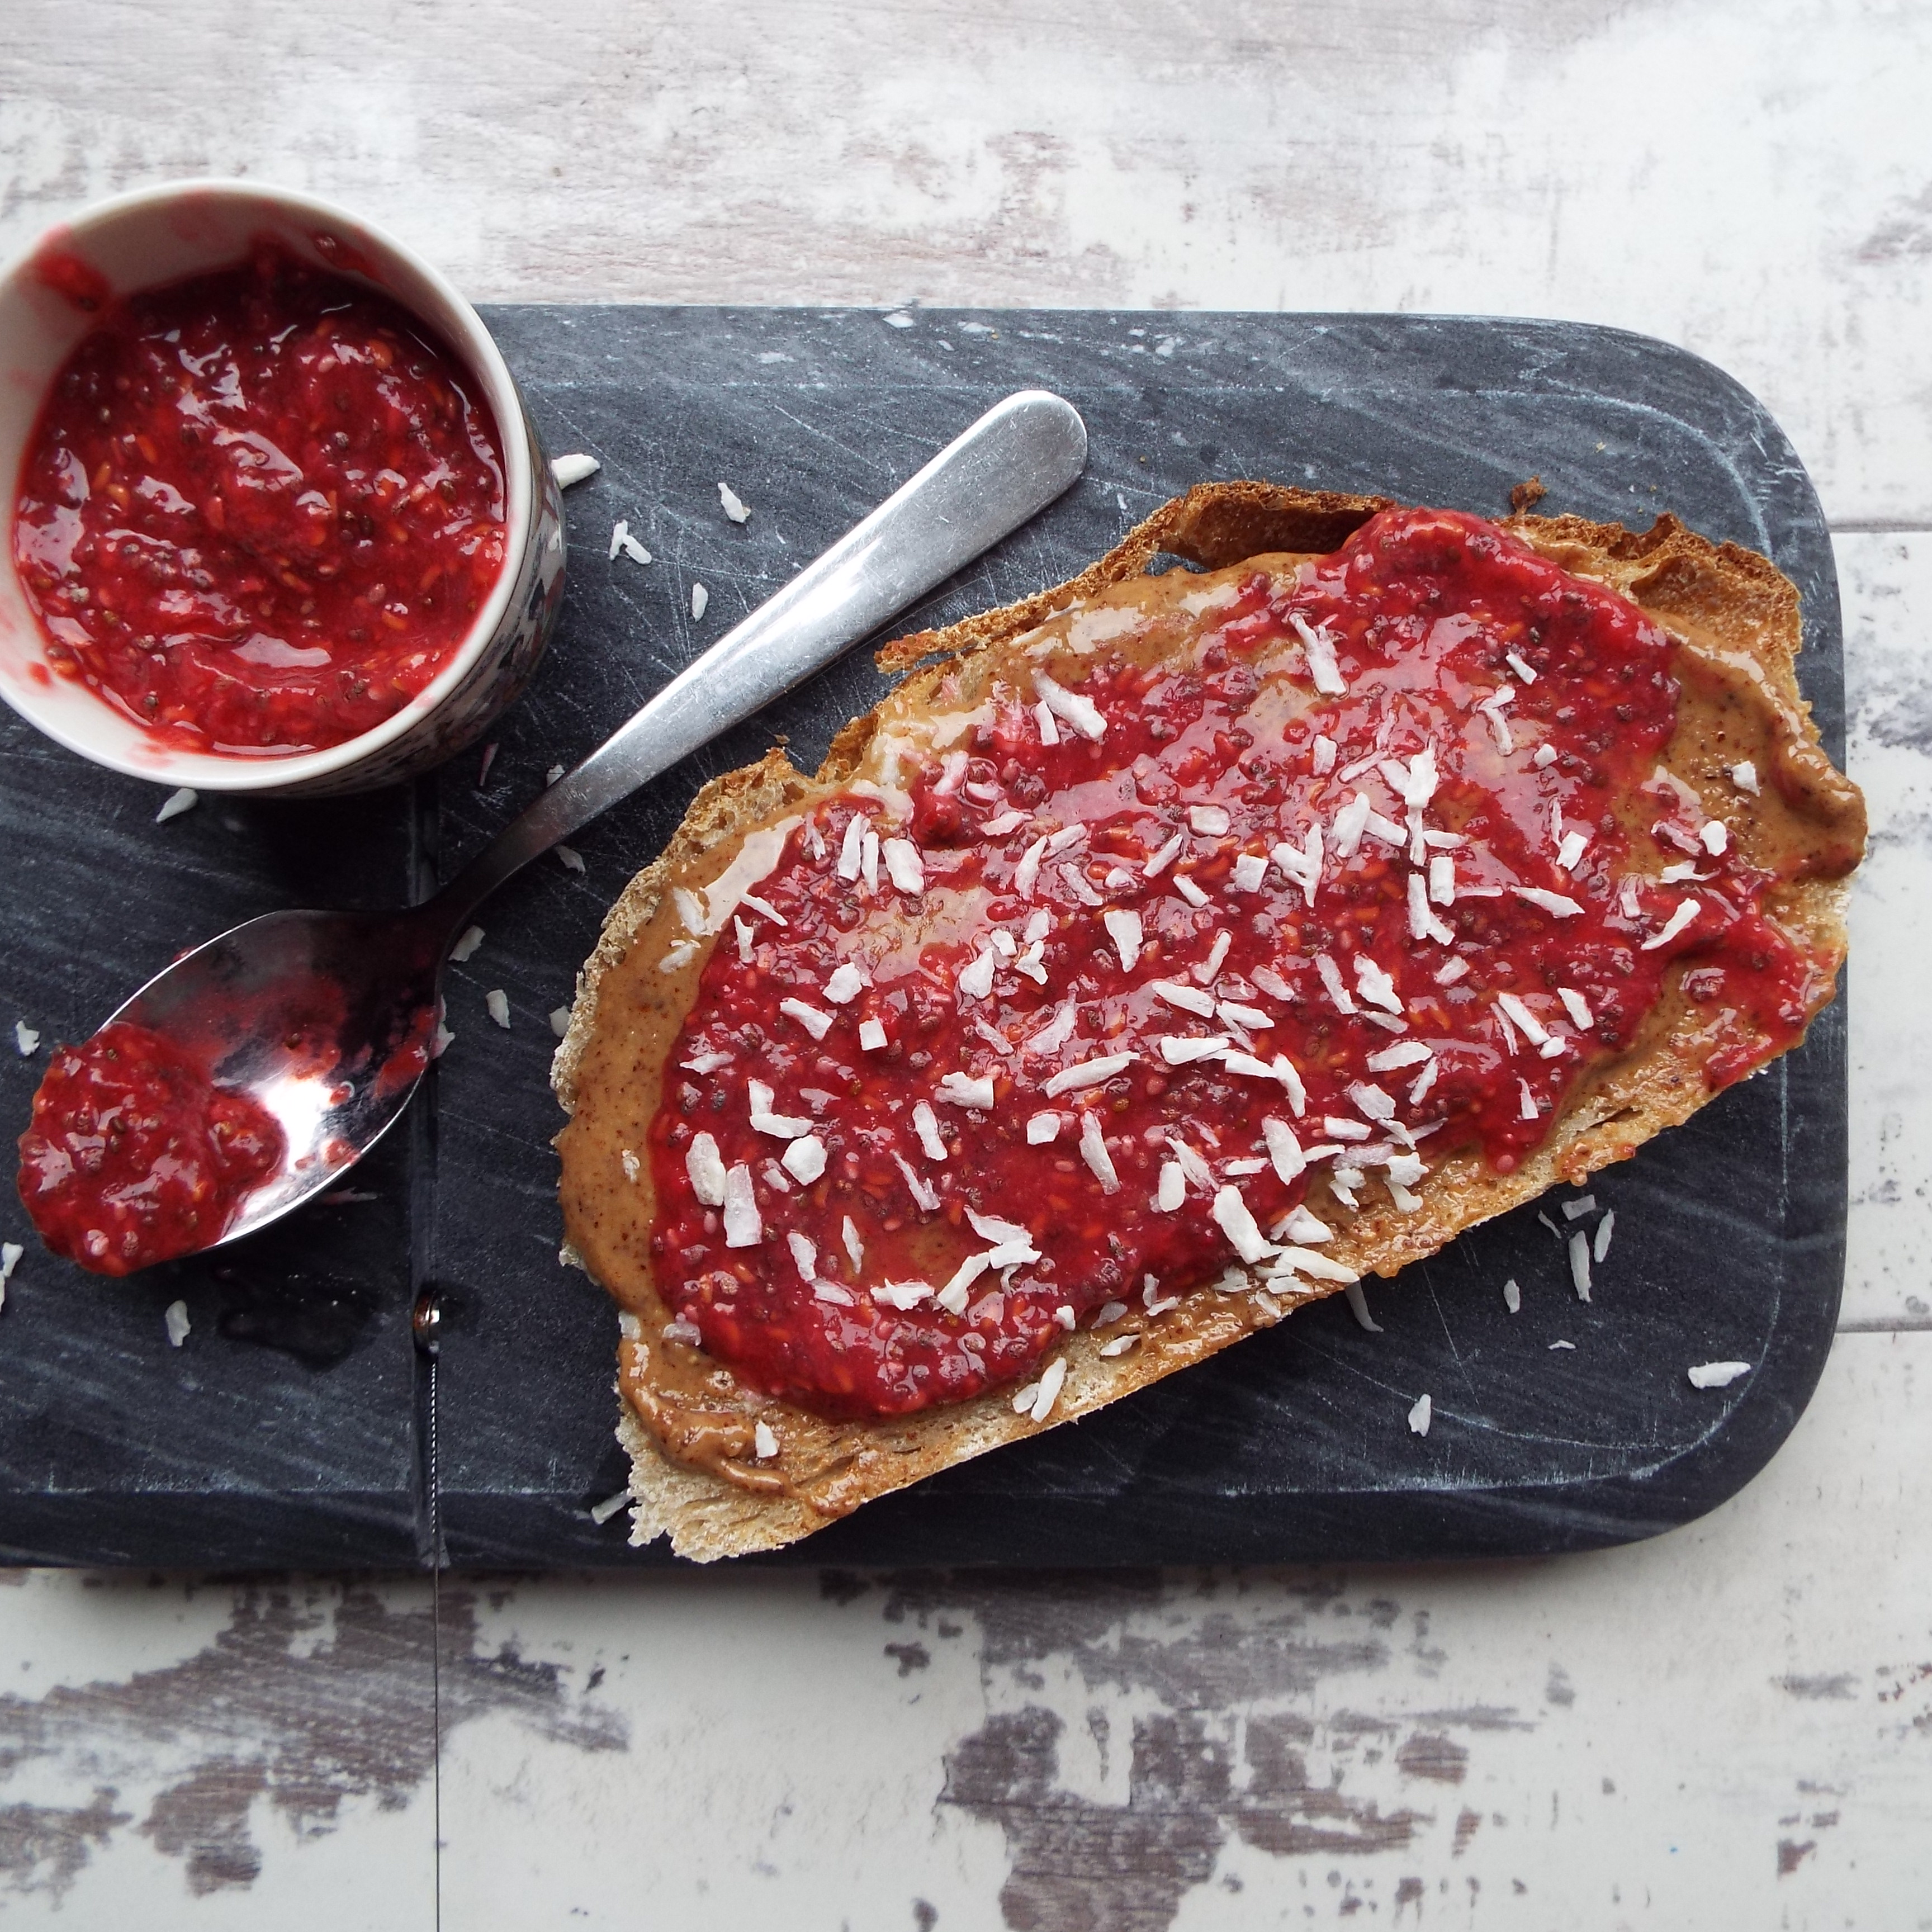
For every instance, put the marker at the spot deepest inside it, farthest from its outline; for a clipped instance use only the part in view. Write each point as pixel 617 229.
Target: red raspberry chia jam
pixel 134 1156
pixel 1063 1017
pixel 260 510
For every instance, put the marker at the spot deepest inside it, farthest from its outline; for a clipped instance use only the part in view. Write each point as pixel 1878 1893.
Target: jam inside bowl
pixel 277 520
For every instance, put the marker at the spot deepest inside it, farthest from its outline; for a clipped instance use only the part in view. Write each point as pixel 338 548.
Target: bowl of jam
pixel 279 521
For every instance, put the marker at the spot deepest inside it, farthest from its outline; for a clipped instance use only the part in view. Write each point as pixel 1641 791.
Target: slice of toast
pixel 700 1440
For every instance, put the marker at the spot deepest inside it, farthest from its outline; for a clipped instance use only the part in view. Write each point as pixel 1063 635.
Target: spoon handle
pixel 1014 461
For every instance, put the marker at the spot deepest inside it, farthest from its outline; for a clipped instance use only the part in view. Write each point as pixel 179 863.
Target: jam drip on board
pixel 1063 1017
pixel 260 510
pixel 134 1156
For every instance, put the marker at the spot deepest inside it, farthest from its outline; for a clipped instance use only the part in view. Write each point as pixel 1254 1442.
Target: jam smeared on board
pixel 135 1156
pixel 261 508
pixel 1367 875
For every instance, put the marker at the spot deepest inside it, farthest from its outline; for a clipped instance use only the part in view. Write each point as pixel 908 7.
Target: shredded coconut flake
pixel 1235 1220
pixel 575 468
pixel 815 1021
pixel 176 803
pixel 1042 1128
pixel 904 865
pixel 1323 670
pixel 700 601
pixel 1579 1263
pixel 26 1040
pixel 925 1125
pixel 1210 820
pixel 1419 1416
pixel 1123 929
pixel 1744 775
pixel 1330 975
pixel 496 1004
pixel 1512 1296
pixel 1687 910
pixel 1070 707
pixel 1088 1073
pixel 1186 998
pixel 1094 1152
pixel 1717 1375
pixel 1051 1381
pixel 732 504
pixel 959 1090
pixel 1558 904
pixel 804 1160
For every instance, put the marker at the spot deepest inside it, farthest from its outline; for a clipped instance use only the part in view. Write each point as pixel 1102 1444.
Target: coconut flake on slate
pixel 496 1004
pixel 1717 1375
pixel 176 803
pixel 1579 1263
pixel 1512 1296
pixel 732 504
pixel 560 1020
pixel 575 468
pixel 26 1040
pixel 1604 1228
pixel 569 858
pixel 700 599
pixel 466 946
pixel 175 1316
pixel 1421 1415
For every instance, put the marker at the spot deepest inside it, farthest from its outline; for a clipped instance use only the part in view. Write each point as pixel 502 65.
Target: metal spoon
pixel 327 1018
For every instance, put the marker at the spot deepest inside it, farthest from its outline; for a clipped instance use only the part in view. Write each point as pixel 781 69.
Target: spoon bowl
pixel 326 1020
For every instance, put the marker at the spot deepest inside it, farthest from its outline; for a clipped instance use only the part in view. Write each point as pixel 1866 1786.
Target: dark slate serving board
pixel 295 1427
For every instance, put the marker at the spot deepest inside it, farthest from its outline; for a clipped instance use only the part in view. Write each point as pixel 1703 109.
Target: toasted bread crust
pixel 1739 607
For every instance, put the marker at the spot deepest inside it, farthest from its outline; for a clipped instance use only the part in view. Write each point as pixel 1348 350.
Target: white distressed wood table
pixel 1731 1725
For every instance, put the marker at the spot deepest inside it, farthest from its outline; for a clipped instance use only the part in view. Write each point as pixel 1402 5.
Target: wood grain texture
pixel 1749 180
pixel 1728 1725
pixel 1747 177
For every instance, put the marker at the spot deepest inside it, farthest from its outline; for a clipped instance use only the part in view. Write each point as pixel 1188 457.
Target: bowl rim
pixel 475 348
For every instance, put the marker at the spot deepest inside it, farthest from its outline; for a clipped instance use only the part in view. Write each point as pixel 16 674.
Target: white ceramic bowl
pixel 159 235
